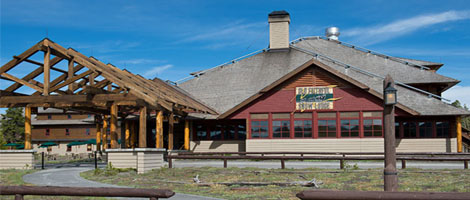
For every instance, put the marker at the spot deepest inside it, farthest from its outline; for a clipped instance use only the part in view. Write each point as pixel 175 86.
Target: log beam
pixel 47 72
pixel 143 128
pixel 113 126
pixel 70 74
pixel 23 82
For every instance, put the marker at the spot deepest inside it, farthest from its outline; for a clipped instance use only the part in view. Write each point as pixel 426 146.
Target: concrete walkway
pixel 70 177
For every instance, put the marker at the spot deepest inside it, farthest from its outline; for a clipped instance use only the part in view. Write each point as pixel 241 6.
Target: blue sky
pixel 170 39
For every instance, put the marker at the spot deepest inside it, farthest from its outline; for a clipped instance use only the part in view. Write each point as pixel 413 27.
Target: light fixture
pixel 390 94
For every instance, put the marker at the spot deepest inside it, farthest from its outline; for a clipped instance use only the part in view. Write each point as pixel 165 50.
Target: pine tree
pixel 465 120
pixel 12 128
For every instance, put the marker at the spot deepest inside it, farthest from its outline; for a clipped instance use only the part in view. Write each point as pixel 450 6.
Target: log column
pixel 186 135
pixel 47 71
pixel 105 132
pixel 171 122
pixel 113 126
pixel 159 129
pixel 98 136
pixel 27 128
pixel 143 128
pixel 459 134
pixel 133 135
pixel 127 135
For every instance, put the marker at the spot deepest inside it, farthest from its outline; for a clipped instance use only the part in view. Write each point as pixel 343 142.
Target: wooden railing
pixel 373 195
pixel 340 156
pixel 20 191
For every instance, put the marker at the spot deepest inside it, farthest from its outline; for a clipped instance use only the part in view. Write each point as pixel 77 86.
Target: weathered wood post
pixel 390 171
pixel 127 134
pixel 159 129
pixel 27 128
pixel 98 120
pixel 113 126
pixel 143 127
pixel 47 69
pixel 171 122
pixel 186 135
pixel 104 133
pixel 133 135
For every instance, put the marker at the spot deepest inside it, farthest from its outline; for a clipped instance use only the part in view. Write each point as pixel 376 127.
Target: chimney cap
pixel 278 13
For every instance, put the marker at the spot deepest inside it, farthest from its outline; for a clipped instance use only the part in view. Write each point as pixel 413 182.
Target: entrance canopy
pixel 88 85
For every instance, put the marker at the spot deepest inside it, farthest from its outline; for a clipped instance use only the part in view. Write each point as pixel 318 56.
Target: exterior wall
pixel 60 116
pixel 16 159
pixel 217 146
pixel 77 132
pixel 350 145
pixel 142 159
pixel 61 149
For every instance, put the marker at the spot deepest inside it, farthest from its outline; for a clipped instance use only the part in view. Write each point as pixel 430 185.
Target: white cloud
pixel 379 33
pixel 461 93
pixel 152 73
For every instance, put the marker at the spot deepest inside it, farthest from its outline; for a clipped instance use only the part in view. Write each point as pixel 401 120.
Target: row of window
pixel 69 116
pixel 67 131
pixel 423 129
pixel 329 125
pixel 227 131
pixel 69 148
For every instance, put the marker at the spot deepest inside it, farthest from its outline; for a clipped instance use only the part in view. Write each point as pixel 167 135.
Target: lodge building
pixel 320 94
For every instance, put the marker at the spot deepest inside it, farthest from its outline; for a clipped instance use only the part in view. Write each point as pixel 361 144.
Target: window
pixel 397 129
pixel 49 148
pixel 349 124
pixel 349 128
pixel 230 132
pixel 69 148
pixel 49 116
pixel 409 129
pixel 48 132
pixel 425 129
pixel 88 147
pixel 67 131
pixel 303 128
pixel 241 131
pixel 259 129
pixel 87 131
pixel 442 129
pixel 201 132
pixel 373 128
pixel 281 128
pixel 327 125
pixel 69 116
pixel 216 132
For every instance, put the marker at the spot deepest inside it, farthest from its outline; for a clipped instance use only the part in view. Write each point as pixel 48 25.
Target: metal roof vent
pixel 332 33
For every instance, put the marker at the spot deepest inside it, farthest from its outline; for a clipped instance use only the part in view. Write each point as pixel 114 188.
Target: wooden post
pixel 186 135
pixel 98 136
pixel 105 133
pixel 27 128
pixel 390 171
pixel 70 75
pixel 128 134
pixel 403 164
pixel 133 135
pixel 113 126
pixel 171 122
pixel 159 129
pixel 47 71
pixel 143 128
pixel 459 134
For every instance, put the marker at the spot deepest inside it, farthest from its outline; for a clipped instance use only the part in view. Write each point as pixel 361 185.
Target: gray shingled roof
pixel 420 62
pixel 224 87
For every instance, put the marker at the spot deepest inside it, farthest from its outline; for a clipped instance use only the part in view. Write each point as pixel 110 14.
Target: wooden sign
pixel 314 98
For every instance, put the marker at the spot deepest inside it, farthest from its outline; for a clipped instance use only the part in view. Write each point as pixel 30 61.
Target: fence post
pixel 19 196
pixel 341 164
pixel 465 164
pixel 170 163
pixel 96 160
pixel 403 164
pixel 42 161
pixel 283 166
pixel 225 162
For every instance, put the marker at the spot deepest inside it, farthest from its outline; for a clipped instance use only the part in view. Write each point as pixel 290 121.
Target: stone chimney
pixel 279 29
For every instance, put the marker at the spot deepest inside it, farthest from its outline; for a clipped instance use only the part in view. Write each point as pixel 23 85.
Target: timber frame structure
pixel 101 89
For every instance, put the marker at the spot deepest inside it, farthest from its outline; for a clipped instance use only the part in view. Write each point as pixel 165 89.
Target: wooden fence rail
pixel 341 157
pixel 20 191
pixel 373 195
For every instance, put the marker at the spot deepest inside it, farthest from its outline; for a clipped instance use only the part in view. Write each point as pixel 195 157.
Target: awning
pixel 48 144
pixel 12 144
pixel 90 141
pixel 75 143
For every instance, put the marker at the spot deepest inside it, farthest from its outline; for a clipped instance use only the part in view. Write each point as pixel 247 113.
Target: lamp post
pixel 390 170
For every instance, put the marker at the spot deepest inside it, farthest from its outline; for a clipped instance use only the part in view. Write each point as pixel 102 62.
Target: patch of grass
pixel 181 180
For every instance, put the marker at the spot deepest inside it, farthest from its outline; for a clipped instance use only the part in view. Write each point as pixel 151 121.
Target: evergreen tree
pixel 465 120
pixel 12 126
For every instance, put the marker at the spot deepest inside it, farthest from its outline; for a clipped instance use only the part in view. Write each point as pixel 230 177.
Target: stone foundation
pixel 17 159
pixel 142 159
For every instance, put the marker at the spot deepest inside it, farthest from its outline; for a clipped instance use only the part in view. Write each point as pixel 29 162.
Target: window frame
pixel 373 125
pixel 303 127
pixel 318 119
